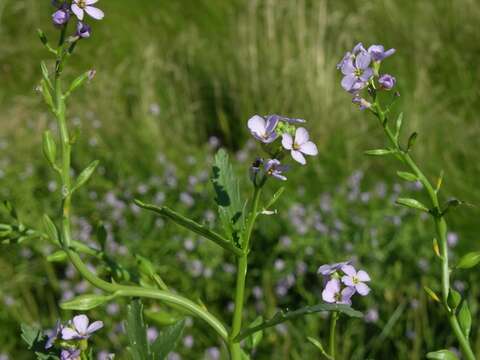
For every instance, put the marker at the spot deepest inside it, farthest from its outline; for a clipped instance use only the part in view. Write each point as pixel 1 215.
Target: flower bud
pixel 387 81
pixel 83 30
pixel 60 17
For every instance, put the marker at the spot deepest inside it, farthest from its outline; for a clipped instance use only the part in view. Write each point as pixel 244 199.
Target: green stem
pixel 242 268
pixel 441 230
pixel 117 289
pixel 333 326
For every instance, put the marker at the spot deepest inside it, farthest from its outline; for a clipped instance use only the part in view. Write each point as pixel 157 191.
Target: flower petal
pixel 347 280
pixel 97 325
pixel 363 276
pixel 90 2
pixel 287 141
pixel 362 289
pixel 271 124
pixel 347 293
pixel 325 270
pixel 69 334
pixel 301 136
pixel 94 12
pixel 367 74
pixel 77 11
pixel 333 285
pixel 348 68
pixel 348 81
pixel 309 148
pixel 349 270
pixel 81 323
pixel 256 124
pixel 362 60
pixel 298 156
pixel 328 296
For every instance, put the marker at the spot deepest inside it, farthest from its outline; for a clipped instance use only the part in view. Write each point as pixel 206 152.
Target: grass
pixel 170 76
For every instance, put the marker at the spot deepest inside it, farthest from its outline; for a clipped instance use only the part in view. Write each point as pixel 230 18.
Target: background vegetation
pixel 176 80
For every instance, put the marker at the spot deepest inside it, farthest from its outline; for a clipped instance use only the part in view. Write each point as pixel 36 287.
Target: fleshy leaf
pixel 283 316
pixel 465 319
pixel 254 339
pixel 227 190
pixel 442 355
pixel 137 332
pixel 379 152
pixel 167 340
pixel 412 203
pixel 86 302
pixel 407 176
pixel 85 175
pixel 469 260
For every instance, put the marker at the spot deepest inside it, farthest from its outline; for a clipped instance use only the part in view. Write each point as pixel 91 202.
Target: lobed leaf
pixel 137 331
pixel 167 340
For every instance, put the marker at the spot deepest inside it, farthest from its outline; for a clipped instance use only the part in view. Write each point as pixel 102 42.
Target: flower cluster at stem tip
pixel 342 282
pixel 360 68
pixel 65 10
pixel 70 336
pixel 296 140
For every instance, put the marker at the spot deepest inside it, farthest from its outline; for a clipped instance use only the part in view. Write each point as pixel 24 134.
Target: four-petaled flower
pixel 264 128
pixel 378 52
pixel 333 293
pixel 387 81
pixel 274 168
pixel 299 145
pixel 356 280
pixel 329 269
pixel 70 354
pixel 81 328
pixel 80 7
pixel 356 70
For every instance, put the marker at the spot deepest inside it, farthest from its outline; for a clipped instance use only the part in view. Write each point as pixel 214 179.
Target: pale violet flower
pixel 300 145
pixel 378 52
pixel 80 7
pixel 356 280
pixel 274 168
pixel 387 81
pixel 357 71
pixel 70 354
pixel 80 328
pixel 333 293
pixel 263 129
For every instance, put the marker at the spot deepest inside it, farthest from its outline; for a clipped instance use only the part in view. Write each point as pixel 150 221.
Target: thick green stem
pixel 333 327
pixel 441 230
pixel 242 265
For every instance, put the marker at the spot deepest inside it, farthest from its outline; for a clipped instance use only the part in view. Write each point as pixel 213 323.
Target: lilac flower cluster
pixel 65 10
pixel 77 329
pixel 268 129
pixel 343 281
pixel 360 68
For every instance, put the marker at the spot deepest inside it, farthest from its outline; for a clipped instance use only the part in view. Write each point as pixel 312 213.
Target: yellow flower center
pixel 82 4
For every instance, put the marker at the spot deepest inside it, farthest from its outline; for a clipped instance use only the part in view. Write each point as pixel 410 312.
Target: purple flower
pixel 275 168
pixel 70 354
pixel 362 103
pixel 300 145
pixel 263 129
pixel 54 335
pixel 356 69
pixel 387 81
pixel 80 7
pixel 329 269
pixel 83 30
pixel 356 280
pixel 378 52
pixel 333 293
pixel 81 328
pixel 61 16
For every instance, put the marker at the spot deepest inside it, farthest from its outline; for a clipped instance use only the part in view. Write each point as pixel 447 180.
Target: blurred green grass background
pixel 172 75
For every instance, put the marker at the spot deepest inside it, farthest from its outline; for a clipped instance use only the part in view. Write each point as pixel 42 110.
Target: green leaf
pixel 254 339
pixel 412 203
pixel 411 140
pixel 319 346
pixel 162 318
pixel 275 197
pixel 47 95
pixel 42 37
pixel 442 355
pixel 78 82
pixel 465 319
pixel 167 340
pixel 49 148
pixel 407 176
pixel 379 152
pixel 45 74
pixel 469 260
pixel 10 209
pixel 283 316
pixel 86 302
pixel 31 335
pixel 85 175
pixel 137 332
pixel 227 190
pixel 398 125
pixel 102 234
pixel 454 298
pixel 431 293
pixel 51 230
